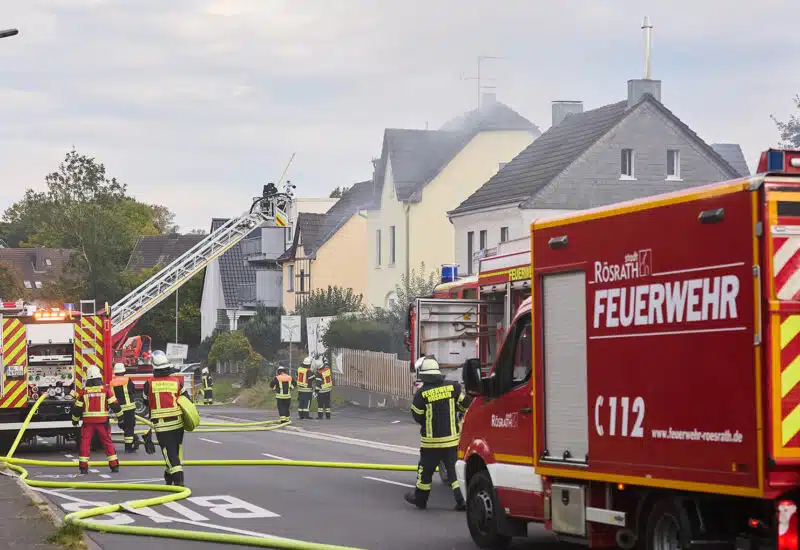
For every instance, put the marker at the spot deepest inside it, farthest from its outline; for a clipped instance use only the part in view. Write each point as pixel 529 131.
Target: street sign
pixel 177 351
pixel 290 328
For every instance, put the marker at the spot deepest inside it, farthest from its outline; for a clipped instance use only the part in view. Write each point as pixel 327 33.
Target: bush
pixel 359 333
pixel 253 371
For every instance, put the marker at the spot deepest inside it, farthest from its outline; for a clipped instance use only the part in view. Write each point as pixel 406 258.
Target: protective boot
pixel 327 415
pixel 460 503
pixel 177 479
pixel 168 478
pixel 83 469
pixel 115 468
pixel 417 498
pixel 129 448
pixel 319 415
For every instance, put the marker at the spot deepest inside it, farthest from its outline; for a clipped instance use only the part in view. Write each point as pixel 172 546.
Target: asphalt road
pixel 363 509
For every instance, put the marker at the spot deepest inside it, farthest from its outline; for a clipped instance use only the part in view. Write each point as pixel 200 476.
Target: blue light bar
pixel 775 161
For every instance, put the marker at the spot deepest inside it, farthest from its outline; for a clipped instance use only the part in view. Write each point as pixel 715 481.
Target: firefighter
pixel 325 385
pixel 162 392
pixel 434 409
pixel 208 387
pixel 92 404
pixel 283 384
pixel 123 390
pixel 304 389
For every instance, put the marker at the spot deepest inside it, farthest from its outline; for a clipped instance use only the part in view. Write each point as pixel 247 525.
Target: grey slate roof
pixel 732 153
pixel 153 250
pixel 31 264
pixel 309 227
pixel 233 269
pixel 417 156
pixel 524 179
pixel 549 154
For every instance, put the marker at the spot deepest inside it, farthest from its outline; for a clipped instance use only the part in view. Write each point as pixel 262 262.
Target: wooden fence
pixel 374 371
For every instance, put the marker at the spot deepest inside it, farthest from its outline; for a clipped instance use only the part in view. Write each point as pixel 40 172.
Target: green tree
pixel 10 283
pixel 263 330
pixel 230 347
pixel 338 192
pixel 416 285
pixel 332 301
pixel 790 130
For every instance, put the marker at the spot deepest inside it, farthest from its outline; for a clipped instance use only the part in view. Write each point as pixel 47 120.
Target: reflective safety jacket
pixel 162 396
pixel 283 384
pixel 434 409
pixel 123 390
pixel 325 379
pixel 93 402
pixel 207 381
pixel 303 379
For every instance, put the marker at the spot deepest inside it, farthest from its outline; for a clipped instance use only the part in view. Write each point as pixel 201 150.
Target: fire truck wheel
pixel 141 406
pixel 483 509
pixel 668 527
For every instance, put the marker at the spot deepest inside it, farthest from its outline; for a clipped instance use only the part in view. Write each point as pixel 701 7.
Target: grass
pixel 69 536
pixel 261 396
pixel 223 390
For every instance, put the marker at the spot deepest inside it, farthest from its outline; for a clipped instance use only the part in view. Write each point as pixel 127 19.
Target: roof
pixel 417 156
pixel 43 265
pixel 732 153
pixel 153 250
pixel 233 269
pixel 524 179
pixel 308 227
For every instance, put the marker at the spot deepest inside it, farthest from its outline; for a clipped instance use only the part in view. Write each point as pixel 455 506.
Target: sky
pixel 195 104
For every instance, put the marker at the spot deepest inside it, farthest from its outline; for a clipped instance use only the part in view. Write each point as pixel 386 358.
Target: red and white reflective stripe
pixel 786 267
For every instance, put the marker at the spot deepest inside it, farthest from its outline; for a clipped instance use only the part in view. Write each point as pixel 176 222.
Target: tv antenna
pixel 480 78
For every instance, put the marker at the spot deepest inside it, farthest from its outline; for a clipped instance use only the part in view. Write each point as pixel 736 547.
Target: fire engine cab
pixel 647 391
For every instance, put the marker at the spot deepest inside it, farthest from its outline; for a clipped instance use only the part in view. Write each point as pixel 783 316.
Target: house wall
pixel 289 284
pixel 431 235
pixel 211 300
pixel 650 134
pixel 340 261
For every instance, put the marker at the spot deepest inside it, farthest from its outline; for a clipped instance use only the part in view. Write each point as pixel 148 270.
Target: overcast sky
pixel 196 103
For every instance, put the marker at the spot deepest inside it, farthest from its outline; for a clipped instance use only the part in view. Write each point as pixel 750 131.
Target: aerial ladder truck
pixel 48 350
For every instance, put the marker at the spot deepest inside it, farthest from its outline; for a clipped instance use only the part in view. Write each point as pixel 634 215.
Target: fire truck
pixel 647 391
pixel 47 350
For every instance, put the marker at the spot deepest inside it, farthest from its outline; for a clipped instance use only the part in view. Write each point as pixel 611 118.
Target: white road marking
pixel 389 481
pixel 273 456
pixel 69 456
pixel 105 476
pixel 94 471
pixel 209 440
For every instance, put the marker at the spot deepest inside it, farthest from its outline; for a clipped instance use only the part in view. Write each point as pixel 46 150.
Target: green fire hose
pixel 83 517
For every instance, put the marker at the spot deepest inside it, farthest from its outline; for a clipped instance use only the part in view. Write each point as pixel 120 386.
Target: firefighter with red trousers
pixel 123 390
pixel 92 405
pixel 162 392
pixel 434 408
pixel 283 384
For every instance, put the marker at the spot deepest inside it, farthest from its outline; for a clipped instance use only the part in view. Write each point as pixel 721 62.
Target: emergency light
pixel 52 315
pixel 780 160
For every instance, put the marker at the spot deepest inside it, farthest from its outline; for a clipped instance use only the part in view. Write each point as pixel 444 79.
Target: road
pixel 363 509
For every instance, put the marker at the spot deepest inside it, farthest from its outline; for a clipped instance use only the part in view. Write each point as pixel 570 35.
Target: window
pixel 673 164
pixel 48 262
pixel 626 169
pixel 483 239
pixel 515 363
pixel 290 276
pixel 302 280
pixel 391 245
pixel 503 234
pixel 378 247
pixel 28 284
pixel 470 250
pixel 37 284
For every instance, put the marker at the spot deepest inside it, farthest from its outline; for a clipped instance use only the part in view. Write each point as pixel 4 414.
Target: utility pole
pixel 176 315
pixel 648 38
pixel 480 78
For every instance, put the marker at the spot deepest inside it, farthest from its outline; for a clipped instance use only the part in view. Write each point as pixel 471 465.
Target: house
pixel 626 150
pixel 159 250
pixel 329 249
pixel 420 176
pixel 242 279
pixel 36 267
pixel 315 205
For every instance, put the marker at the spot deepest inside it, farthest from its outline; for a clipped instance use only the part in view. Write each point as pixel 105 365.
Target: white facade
pixel 211 300
pixel 307 205
pixel 492 226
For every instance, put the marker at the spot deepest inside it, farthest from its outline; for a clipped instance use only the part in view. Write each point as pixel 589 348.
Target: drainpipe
pixel 408 247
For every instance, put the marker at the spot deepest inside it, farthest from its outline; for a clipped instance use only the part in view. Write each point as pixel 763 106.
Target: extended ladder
pixel 143 298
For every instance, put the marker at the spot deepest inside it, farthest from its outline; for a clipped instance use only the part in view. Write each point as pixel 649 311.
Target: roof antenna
pixel 648 37
pixel 480 78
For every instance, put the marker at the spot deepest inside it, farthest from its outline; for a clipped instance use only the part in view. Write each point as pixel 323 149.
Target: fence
pixel 374 371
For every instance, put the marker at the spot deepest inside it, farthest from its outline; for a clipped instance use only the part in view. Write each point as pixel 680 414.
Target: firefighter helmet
pixel 119 368
pixel 429 365
pixel 93 372
pixel 307 361
pixel 281 369
pixel 205 370
pixel 159 360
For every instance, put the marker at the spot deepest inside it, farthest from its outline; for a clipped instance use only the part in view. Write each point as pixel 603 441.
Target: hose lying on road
pixel 83 517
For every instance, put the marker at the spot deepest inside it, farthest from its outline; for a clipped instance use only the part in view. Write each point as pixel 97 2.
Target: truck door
pixel 510 433
pixel 447 329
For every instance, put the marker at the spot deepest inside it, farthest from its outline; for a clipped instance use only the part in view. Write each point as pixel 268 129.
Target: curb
pixel 50 511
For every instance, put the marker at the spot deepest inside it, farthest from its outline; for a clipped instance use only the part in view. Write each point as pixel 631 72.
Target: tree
pixel 263 330
pixel 230 347
pixel 326 303
pixel 790 130
pixel 338 192
pixel 10 283
pixel 416 285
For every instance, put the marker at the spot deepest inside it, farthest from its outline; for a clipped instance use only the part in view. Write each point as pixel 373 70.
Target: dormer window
pixel 28 284
pixel 38 284
pixel 48 262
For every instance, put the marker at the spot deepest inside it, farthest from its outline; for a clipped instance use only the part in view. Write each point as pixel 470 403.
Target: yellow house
pixel 423 174
pixel 328 249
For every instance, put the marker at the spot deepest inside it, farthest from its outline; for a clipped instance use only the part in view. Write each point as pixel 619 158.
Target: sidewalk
pixel 23 524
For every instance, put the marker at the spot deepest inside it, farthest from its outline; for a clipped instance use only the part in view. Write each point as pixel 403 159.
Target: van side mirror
pixel 471 377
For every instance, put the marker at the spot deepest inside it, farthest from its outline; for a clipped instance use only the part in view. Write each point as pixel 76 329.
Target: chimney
pixel 562 109
pixel 488 99
pixel 637 89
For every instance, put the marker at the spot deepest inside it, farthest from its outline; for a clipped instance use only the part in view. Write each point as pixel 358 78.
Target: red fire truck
pixel 647 393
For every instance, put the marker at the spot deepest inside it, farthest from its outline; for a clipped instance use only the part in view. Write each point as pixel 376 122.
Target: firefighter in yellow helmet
pixel 123 390
pixel 283 384
pixel 434 409
pixel 208 387
pixel 304 389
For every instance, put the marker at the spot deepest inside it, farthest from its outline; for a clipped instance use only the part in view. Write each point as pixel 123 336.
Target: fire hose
pixel 83 518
